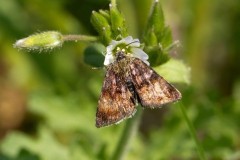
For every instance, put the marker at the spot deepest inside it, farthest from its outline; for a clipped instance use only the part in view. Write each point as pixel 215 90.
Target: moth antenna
pixel 132 42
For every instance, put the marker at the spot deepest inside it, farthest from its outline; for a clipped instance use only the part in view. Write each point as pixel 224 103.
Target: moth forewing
pixel 152 89
pixel 116 102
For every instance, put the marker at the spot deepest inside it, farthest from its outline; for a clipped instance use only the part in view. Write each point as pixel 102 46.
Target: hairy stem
pixel 79 38
pixel 193 132
pixel 128 133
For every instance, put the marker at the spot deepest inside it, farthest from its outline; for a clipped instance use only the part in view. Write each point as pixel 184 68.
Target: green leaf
pixel 156 55
pixel 157 19
pixel 151 38
pixel 166 39
pixel 157 37
pixel 174 71
pixel 53 108
pixel 93 55
pixel 24 154
pixel 4 157
pixel 156 23
pixel 45 145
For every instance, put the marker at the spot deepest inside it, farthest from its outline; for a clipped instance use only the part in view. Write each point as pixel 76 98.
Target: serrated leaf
pixel 174 71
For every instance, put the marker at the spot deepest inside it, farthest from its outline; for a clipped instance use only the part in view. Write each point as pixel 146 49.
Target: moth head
pixel 120 55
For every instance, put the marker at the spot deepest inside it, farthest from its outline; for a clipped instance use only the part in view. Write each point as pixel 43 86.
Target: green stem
pixel 128 133
pixel 113 3
pixel 193 132
pixel 79 38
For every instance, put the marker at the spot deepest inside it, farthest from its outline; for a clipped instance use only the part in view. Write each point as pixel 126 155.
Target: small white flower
pixel 132 46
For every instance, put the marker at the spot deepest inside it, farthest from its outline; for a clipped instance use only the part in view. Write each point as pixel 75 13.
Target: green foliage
pixel 19 142
pixel 93 55
pixel 174 71
pixel 23 155
pixel 118 24
pixel 102 25
pixel 109 24
pixel 157 37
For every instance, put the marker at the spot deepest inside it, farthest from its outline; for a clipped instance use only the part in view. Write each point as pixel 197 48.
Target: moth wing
pixel 116 102
pixel 152 89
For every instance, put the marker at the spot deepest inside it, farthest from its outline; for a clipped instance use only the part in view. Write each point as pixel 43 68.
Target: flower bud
pixel 101 24
pixel 117 23
pixel 40 41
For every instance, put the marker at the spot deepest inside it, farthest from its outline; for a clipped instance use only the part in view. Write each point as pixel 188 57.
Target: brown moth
pixel 129 81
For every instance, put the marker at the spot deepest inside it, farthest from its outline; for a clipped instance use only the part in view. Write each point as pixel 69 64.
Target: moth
pixel 129 81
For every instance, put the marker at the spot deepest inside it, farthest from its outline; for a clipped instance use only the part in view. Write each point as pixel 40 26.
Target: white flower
pixel 130 45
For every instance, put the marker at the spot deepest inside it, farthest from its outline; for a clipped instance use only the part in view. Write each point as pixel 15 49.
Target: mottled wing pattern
pixel 153 91
pixel 116 102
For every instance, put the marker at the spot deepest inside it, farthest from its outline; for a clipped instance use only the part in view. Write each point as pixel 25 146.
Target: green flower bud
pixel 41 41
pixel 106 14
pixel 157 36
pixel 117 23
pixel 102 26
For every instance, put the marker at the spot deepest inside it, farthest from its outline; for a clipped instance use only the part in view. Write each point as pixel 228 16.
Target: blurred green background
pixel 48 100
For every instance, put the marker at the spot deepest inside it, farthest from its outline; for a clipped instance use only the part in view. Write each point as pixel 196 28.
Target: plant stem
pixel 128 133
pixel 113 3
pixel 193 132
pixel 79 38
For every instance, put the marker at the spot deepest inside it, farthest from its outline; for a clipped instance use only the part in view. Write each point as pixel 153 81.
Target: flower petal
pixel 135 43
pixel 109 49
pixel 138 53
pixel 127 40
pixel 114 43
pixel 146 62
pixel 108 59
